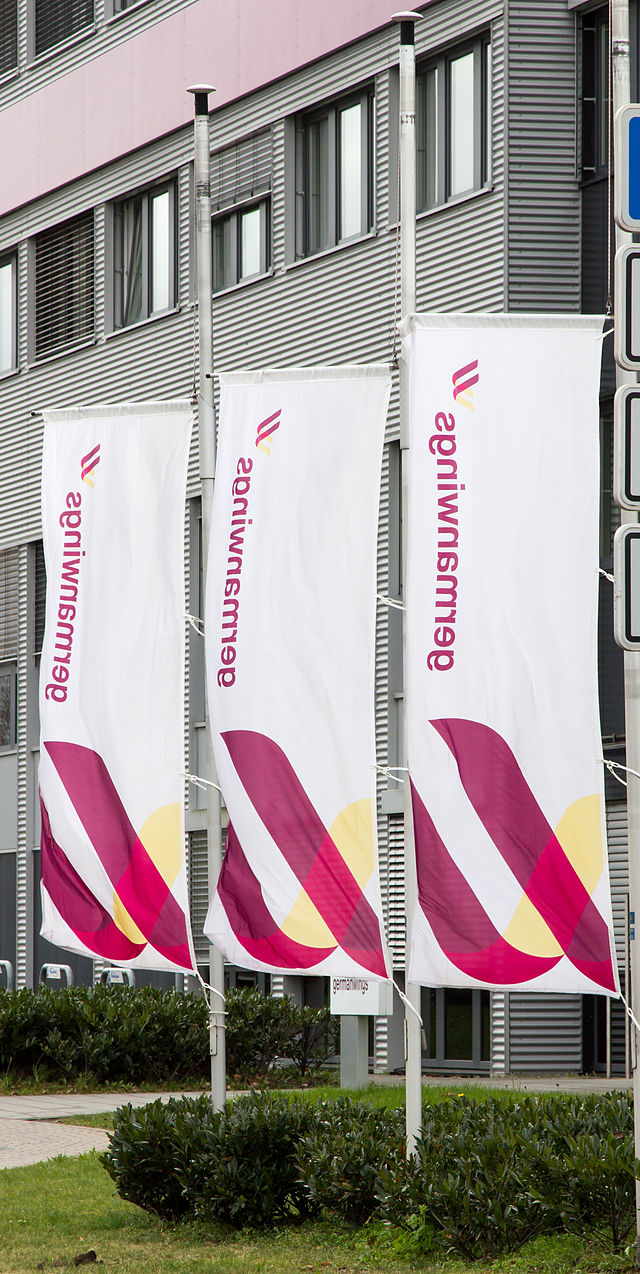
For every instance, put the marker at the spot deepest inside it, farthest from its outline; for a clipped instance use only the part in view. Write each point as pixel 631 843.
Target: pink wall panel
pixel 136 92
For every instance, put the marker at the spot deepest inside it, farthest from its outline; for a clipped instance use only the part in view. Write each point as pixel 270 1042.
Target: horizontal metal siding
pixel 545 1033
pixel 543 194
pixel 460 256
pixel 96 39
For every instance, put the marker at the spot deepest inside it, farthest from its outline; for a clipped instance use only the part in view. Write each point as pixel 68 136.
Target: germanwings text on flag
pixel 290 631
pixel 502 586
pixel 111 690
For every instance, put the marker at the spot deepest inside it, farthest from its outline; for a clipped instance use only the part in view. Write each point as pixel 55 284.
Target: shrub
pixel 237 1167
pixel 342 1154
pixel 146 1035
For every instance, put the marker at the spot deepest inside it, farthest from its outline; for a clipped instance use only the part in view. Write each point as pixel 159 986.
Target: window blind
pixel 64 284
pixel 238 172
pixel 8 35
pixel 56 20
pixel 8 603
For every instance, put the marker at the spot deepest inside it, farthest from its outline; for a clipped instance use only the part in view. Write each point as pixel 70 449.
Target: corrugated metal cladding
pixel 545 1033
pixel 543 199
pixel 100 34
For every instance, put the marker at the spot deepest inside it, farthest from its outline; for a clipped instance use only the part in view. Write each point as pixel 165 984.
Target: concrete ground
pixel 29 1132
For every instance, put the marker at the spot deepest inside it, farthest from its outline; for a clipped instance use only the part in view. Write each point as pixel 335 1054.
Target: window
pixel 64 285
pixel 334 165
pixel 8 35
pixel 596 104
pixel 241 203
pixel 56 20
pixel 7 705
pixel 144 255
pixel 8 352
pixel 453 123
pixel 241 244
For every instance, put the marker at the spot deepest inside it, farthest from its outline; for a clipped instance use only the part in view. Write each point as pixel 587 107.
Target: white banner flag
pixel 112 684
pixel 504 746
pixel 290 633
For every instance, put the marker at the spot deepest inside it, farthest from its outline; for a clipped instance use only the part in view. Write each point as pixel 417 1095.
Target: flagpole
pixel 407 220
pixel 621 79
pixel 207 463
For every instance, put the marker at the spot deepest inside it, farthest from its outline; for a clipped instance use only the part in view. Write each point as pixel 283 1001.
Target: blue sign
pixel 627 167
pixel 634 168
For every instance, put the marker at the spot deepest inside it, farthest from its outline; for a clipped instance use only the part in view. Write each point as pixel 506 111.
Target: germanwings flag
pixel 111 684
pixel 504 747
pixel 290 622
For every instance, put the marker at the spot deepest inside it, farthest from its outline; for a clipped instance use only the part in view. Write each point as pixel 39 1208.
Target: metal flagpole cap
pixel 407 15
pixel 201 88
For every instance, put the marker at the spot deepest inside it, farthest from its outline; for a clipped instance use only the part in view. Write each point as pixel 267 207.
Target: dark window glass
pixel 596 94
pixel 56 20
pixel 453 123
pixel 241 247
pixel 335 173
pixel 145 255
pixel 8 35
pixel 64 284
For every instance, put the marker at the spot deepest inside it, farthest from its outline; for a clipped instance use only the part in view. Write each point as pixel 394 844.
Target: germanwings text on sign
pixel 504 746
pixel 111 684
pixel 290 631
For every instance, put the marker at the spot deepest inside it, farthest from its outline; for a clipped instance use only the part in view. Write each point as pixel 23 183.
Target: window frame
pixel 86 336
pixel 117 269
pixel 440 65
pixel 11 259
pixel 307 243
pixel 232 218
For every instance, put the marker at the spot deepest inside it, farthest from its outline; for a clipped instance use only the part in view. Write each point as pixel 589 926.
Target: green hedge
pixel 144 1035
pixel 488 1175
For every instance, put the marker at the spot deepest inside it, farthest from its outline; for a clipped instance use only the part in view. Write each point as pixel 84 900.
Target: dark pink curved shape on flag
pixel 278 797
pixel 76 903
pixel 460 924
pixel 505 804
pixel 132 872
pixel 250 919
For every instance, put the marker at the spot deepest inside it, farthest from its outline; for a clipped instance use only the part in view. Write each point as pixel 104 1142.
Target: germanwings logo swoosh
pixel 566 920
pixel 265 429
pixel 89 464
pixel 278 797
pixel 463 382
pixel 148 911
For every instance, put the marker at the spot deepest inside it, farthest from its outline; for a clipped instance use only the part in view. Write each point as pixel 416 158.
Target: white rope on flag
pixel 199 782
pixel 196 623
pixel 630 1013
pixel 612 766
pixel 387 771
pixel 407 1003
pixel 390 601
pixel 606 575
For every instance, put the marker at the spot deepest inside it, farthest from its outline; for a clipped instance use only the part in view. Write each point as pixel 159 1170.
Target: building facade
pixel 97 304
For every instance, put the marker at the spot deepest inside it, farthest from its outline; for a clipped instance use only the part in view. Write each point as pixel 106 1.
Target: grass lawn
pixel 52 1212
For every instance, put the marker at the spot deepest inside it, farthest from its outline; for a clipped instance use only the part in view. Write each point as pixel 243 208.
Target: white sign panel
pixel 626 436
pixel 626 332
pixel 361 997
pixel 626 594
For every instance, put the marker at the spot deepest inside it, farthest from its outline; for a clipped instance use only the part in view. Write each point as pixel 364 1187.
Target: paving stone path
pixel 29 1132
